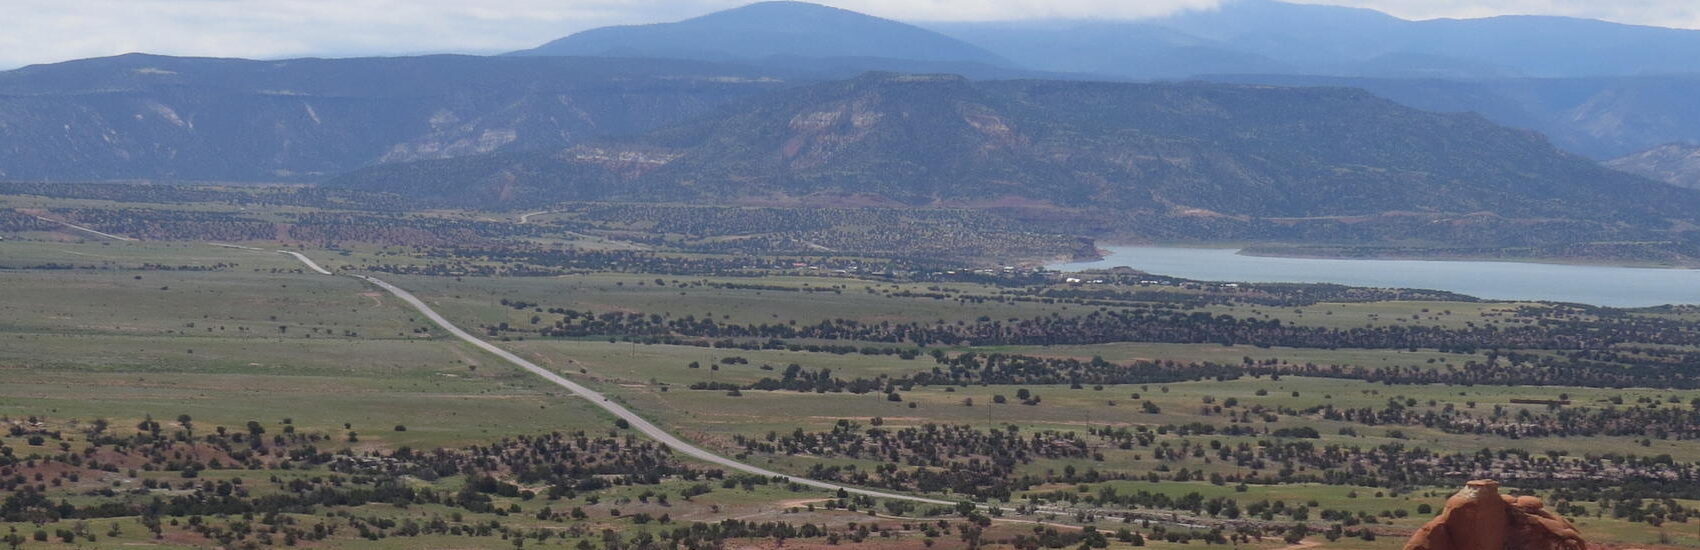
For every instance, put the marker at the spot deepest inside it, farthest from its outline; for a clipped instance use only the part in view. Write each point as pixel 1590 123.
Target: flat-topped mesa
pixel 1479 518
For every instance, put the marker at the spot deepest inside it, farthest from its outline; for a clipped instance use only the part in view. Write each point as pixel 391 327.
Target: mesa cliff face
pixel 1479 518
pixel 176 118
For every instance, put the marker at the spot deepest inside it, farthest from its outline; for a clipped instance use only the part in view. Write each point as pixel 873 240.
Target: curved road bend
pixel 618 410
pixel 526 218
pixel 309 261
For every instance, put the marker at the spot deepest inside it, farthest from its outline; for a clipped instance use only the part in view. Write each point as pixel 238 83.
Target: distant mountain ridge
pixel 771 29
pixel 173 118
pixel 1267 36
pixel 1237 36
pixel 1597 88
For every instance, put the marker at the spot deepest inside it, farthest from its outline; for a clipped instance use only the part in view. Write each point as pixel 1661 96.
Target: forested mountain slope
pixel 1602 118
pixel 154 117
pixel 1198 150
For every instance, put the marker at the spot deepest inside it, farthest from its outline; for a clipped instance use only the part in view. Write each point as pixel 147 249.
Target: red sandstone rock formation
pixel 1479 518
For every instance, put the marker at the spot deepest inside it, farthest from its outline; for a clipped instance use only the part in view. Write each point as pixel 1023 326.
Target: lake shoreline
pixel 1103 250
pixel 1492 279
pixel 1304 253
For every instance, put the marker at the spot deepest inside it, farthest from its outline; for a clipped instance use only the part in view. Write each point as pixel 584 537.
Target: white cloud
pixel 40 31
pixel 1663 13
pixel 54 30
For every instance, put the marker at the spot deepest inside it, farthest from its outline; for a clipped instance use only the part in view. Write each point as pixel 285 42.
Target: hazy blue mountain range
pixel 1266 36
pixel 1195 150
pixel 153 117
pixel 1596 88
pixel 771 29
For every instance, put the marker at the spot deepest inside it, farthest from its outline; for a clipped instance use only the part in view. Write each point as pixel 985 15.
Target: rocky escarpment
pixel 1479 518
pixel 176 118
pixel 1676 163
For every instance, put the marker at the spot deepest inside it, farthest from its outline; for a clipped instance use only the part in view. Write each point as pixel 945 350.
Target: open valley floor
pixel 216 392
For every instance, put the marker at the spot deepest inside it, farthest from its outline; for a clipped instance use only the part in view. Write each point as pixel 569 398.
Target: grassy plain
pixel 245 335
pixel 252 342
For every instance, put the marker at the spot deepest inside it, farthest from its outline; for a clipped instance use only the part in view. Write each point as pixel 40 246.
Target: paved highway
pixel 618 410
pixel 683 446
pixel 526 217
pixel 309 261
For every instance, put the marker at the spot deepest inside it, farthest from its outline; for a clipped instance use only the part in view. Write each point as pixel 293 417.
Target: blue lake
pixel 1597 285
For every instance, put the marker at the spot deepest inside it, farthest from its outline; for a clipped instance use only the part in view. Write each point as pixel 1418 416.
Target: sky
pixel 45 31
